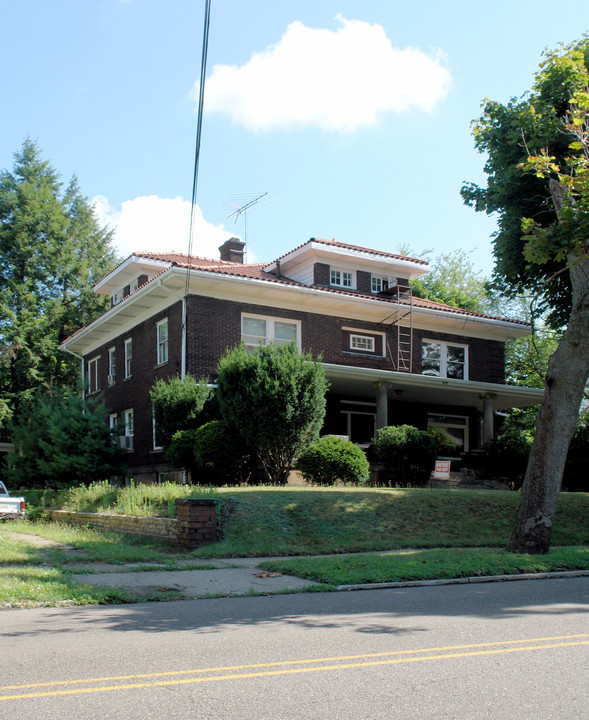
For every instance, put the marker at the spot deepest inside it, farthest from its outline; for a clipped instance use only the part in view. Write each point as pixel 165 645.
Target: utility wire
pixel 201 93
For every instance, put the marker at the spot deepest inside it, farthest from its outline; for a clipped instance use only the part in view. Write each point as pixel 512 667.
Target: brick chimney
pixel 232 250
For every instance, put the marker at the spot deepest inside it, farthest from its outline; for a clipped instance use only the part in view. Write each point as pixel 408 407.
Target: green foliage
pixel 453 281
pixel 52 250
pixel 509 134
pixel 177 406
pixel 409 453
pixel 329 459
pixel 66 441
pixel 140 499
pixel 508 454
pixel 445 445
pixel 213 454
pixel 274 398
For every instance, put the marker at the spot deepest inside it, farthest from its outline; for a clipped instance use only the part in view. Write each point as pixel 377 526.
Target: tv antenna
pixel 242 210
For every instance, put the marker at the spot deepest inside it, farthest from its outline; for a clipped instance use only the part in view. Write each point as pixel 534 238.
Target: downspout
pixel 184 317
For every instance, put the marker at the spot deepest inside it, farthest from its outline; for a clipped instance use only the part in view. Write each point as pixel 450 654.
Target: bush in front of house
pixel 274 398
pixel 408 453
pixel 212 453
pixel 329 459
pixel 508 454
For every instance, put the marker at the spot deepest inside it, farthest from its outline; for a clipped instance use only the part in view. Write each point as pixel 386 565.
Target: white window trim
pixel 384 279
pixel 370 334
pixel 160 344
pixel 270 320
pixel 129 426
pixel 155 445
pixel 459 426
pixel 340 284
pixel 357 337
pixel 128 357
pixel 444 355
pixel 112 365
pixel 93 361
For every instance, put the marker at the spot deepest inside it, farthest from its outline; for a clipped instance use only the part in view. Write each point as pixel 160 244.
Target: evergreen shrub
pixel 329 459
pixel 409 454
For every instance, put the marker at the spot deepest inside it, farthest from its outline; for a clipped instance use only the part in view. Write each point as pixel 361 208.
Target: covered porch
pixel 362 400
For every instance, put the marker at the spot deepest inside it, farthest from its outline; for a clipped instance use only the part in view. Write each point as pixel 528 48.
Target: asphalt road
pixel 495 650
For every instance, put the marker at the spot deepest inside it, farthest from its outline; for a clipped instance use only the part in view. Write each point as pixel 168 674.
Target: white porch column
pixel 487 417
pixel 382 404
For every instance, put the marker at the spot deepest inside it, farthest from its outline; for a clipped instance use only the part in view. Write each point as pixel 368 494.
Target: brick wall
pixel 195 526
pixel 151 526
pixel 486 358
pixel 321 274
pixel 133 392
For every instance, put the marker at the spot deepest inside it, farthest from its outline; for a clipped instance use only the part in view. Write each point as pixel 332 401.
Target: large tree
pixel 52 249
pixel 538 149
pixel 66 441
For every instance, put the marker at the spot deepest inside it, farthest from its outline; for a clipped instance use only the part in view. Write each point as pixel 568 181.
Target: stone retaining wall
pixel 196 524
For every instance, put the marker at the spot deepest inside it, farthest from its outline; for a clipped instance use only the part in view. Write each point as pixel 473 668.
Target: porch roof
pixel 407 387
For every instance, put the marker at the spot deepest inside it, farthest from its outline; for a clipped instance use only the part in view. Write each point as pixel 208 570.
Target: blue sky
pixel 354 117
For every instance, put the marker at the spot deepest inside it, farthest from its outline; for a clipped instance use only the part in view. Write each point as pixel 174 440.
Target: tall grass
pixel 140 499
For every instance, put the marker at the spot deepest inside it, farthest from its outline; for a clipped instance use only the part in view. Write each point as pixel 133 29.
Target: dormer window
pixel 341 278
pixel 378 283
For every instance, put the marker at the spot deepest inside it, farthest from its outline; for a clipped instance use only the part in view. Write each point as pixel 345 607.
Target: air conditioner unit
pixel 126 442
pixel 111 379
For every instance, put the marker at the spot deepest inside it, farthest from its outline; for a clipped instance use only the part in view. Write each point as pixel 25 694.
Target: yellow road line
pixel 292 671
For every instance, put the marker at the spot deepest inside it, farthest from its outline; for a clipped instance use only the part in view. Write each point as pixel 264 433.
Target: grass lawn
pixel 428 565
pixel 309 521
pixel 37 560
pixel 420 534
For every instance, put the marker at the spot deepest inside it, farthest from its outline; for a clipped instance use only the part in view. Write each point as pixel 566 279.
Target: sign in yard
pixel 442 470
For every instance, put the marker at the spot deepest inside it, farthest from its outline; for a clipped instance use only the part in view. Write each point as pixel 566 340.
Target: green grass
pixel 436 534
pixel 33 586
pixel 428 565
pixel 143 500
pixel 277 521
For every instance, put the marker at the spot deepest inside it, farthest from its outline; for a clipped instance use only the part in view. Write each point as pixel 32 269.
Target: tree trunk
pixel 568 370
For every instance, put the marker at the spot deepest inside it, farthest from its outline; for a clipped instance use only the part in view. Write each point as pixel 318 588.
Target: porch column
pixel 487 417
pixel 382 404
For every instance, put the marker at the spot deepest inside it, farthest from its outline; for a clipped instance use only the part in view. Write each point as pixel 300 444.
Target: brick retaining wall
pixel 196 524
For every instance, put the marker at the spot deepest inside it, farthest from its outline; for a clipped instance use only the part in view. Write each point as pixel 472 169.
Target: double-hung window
pixel 341 278
pixel 93 384
pixel 128 357
pixel 112 366
pixel 257 329
pixel 378 283
pixel 162 342
pixel 126 440
pixel 447 360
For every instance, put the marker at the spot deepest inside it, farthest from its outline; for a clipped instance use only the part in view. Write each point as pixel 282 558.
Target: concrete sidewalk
pixel 243 576
pixel 232 576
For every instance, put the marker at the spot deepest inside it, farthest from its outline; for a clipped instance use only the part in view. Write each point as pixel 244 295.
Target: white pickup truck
pixel 10 507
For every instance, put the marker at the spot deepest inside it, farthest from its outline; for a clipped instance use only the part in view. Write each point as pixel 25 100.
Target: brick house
pixel 390 358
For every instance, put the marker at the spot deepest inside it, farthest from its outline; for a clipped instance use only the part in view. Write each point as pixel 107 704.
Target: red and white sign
pixel 442 470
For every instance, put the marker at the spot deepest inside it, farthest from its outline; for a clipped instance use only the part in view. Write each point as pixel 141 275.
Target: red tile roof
pixel 255 271
pixel 346 246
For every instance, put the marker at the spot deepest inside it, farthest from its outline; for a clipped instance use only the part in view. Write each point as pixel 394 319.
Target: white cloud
pixel 151 223
pixel 337 80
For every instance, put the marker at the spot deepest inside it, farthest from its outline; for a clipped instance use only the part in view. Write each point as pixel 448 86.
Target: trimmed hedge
pixel 330 459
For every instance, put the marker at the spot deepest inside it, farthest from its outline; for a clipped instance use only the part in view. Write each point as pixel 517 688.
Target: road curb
pixel 466 580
